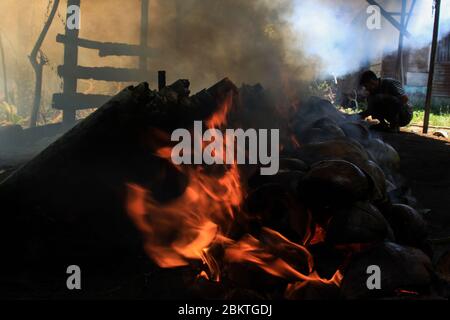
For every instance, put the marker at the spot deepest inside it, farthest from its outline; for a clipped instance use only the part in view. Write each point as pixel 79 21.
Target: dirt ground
pixel 425 163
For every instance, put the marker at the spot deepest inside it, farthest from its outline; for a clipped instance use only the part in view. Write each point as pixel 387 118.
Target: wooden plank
pixel 388 66
pixel 161 79
pixel 79 101
pixel 38 60
pixel 144 33
pixel 70 63
pixel 441 87
pixel 399 63
pixel 103 73
pixel 110 48
pixel 444 50
pixel 434 43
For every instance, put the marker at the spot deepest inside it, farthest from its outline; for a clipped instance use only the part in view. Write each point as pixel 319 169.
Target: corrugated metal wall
pixel 388 66
pixel 443 54
pixel 441 85
pixel 417 62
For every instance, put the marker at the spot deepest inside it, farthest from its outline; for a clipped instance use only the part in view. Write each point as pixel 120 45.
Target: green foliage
pixel 9 115
pixel 438 105
pixel 440 111
pixel 348 110
pixel 438 120
pixel 323 89
pixel 439 116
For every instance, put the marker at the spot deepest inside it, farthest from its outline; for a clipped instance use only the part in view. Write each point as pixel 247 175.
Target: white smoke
pixel 336 32
pixel 421 25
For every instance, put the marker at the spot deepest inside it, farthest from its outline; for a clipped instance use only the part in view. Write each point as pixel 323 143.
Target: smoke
pixel 421 26
pixel 248 41
pixel 336 33
pixel 279 43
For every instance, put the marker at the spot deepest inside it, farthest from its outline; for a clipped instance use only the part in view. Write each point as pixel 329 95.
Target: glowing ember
pixel 319 235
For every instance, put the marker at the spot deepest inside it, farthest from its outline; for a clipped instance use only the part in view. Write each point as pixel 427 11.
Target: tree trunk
pixel 39 65
pixel 38 69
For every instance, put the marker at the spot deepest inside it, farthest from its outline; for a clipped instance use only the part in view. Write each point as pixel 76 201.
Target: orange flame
pixel 184 229
pixel 251 250
pixel 219 118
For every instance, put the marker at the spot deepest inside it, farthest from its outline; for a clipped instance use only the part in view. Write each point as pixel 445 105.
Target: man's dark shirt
pixel 393 88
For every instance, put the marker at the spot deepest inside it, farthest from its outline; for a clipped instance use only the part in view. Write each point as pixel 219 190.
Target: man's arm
pixel 397 90
pixel 364 114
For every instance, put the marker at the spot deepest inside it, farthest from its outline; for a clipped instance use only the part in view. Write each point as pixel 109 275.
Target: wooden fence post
pixel 70 62
pixel 434 45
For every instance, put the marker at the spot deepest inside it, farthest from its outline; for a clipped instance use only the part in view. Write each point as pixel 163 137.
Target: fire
pixel 252 251
pixel 319 235
pixel 180 231
pixel 185 229
pixel 219 118
pixel 263 255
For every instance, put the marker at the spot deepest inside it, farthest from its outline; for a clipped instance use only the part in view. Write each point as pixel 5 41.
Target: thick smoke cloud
pixel 336 33
pixel 279 43
pixel 248 41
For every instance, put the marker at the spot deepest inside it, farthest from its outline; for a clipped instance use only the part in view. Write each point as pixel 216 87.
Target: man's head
pixel 370 81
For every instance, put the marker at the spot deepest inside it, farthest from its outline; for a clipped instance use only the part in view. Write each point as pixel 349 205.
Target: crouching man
pixel 387 102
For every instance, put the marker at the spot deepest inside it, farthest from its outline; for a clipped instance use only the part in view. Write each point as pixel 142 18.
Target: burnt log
pixel 67 205
pixel 109 48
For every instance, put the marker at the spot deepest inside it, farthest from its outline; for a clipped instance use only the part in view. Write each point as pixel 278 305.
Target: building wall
pixel 441 85
pixel 417 66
